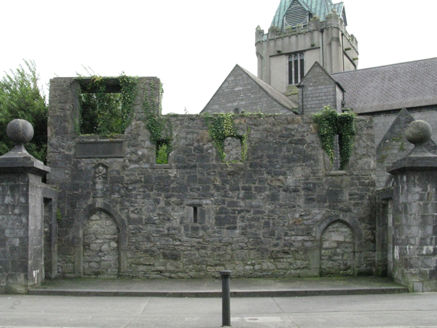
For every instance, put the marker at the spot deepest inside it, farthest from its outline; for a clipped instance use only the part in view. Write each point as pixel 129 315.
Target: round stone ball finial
pixel 418 132
pixel 20 131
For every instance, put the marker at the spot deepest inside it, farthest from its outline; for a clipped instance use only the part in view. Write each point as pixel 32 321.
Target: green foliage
pixel 244 145
pixel 330 124
pixel 21 97
pixel 58 215
pixel 162 154
pixel 160 128
pixel 105 113
pixel 222 126
pixel 327 130
pixel 346 136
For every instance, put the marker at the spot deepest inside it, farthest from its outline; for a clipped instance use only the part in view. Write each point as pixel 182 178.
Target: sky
pixel 191 45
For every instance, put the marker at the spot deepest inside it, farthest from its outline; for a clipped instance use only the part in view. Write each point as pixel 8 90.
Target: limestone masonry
pixel 196 215
pixel 275 207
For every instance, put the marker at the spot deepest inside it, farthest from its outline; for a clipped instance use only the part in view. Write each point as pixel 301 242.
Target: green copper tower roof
pixel 314 7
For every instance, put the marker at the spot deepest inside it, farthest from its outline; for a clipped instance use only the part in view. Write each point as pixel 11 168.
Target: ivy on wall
pixel 346 136
pixel 160 128
pixel 222 126
pixel 104 113
pixel 329 125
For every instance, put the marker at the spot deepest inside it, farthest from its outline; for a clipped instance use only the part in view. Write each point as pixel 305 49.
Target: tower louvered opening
pixel 296 14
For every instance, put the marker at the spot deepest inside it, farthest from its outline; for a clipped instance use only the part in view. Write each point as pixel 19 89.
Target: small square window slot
pixel 195 213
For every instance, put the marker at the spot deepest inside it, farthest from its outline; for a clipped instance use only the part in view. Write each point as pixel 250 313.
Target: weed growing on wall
pixel 102 112
pixel 160 128
pixel 58 215
pixel 330 124
pixel 222 126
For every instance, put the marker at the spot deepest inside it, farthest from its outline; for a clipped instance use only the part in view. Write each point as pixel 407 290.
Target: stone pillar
pixel 415 213
pixel 21 213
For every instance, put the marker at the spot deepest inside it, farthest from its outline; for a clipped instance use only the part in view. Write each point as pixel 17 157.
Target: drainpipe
pixel 323 51
pixel 342 48
pixel 302 87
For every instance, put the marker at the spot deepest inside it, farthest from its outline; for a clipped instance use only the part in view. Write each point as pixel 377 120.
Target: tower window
pixel 296 68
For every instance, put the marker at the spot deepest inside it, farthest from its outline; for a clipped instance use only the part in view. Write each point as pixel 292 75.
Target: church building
pixel 308 60
pixel 302 33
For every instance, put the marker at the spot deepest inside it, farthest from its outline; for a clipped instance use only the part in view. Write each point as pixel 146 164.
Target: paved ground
pixel 212 288
pixel 60 308
pixel 394 310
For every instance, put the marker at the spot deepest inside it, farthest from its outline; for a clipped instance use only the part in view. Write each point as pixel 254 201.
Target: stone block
pixel 224 220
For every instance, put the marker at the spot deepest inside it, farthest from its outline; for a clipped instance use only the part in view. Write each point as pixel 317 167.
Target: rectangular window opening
pixel 163 149
pixel 195 212
pixel 103 110
pixel 290 71
pixel 296 68
pixel 302 67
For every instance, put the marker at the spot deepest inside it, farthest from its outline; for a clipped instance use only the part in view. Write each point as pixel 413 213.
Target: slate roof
pixel 272 92
pixel 404 85
pixel 317 7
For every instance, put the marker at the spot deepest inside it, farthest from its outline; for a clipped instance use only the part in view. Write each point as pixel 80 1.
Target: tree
pixel 22 97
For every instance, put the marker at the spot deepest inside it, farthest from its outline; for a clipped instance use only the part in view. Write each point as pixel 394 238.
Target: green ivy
pixel 346 136
pixel 162 154
pixel 222 126
pixel 106 113
pixel 330 124
pixel 160 128
pixel 327 130
pixel 128 93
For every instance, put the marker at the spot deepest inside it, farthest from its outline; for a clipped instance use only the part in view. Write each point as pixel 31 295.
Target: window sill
pixel 337 173
pixel 161 166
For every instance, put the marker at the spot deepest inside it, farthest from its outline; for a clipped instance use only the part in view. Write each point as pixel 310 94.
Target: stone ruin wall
pixel 281 213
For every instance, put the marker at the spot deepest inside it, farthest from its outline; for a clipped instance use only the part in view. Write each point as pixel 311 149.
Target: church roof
pixel 404 85
pixel 316 7
pixel 244 90
pixel 272 92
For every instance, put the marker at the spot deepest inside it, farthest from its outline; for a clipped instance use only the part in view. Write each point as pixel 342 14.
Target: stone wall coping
pixel 90 138
pixel 413 163
pixel 385 193
pixel 23 165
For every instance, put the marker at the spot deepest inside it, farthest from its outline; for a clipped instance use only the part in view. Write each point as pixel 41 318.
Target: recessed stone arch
pixel 100 246
pixel 338 241
pixel 105 212
pixel 337 252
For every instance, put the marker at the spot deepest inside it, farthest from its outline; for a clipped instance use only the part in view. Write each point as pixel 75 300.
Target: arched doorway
pixel 100 246
pixel 337 256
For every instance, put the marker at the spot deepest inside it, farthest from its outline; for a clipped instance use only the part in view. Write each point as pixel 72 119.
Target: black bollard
pixel 226 298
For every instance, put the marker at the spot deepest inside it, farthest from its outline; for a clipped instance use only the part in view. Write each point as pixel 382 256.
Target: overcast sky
pixel 191 45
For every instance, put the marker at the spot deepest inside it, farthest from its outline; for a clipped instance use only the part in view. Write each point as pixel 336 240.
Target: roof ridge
pixel 267 87
pixel 316 63
pixel 409 84
pixel 388 65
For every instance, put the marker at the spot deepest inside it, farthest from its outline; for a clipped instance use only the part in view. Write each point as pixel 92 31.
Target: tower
pixel 304 32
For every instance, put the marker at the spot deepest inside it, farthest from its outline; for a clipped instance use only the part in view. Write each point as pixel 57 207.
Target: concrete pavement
pixel 212 287
pixel 394 310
